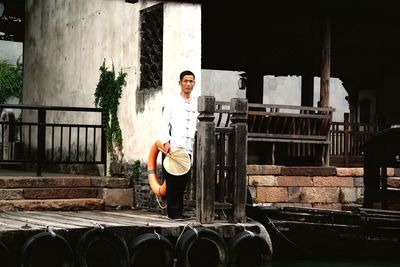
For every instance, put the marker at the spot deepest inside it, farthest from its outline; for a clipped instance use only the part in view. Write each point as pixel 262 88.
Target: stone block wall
pixel 312 187
pixel 316 187
pixel 144 198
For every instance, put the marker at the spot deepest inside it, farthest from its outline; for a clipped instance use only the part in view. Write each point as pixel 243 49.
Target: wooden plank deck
pixel 74 220
pixel 118 243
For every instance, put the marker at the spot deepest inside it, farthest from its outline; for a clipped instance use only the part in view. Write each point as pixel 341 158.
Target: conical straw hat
pixel 177 162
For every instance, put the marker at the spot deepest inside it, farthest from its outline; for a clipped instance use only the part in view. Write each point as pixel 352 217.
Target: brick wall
pixel 318 187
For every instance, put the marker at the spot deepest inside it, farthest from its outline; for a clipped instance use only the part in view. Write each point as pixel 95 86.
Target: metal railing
pixel 50 135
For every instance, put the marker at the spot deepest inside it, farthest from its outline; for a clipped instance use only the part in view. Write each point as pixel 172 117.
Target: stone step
pixel 308 171
pixel 63 192
pixel 290 171
pixel 47 193
pixel 52 204
pixel 68 182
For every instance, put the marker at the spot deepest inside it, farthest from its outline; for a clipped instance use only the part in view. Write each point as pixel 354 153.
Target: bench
pixel 291 124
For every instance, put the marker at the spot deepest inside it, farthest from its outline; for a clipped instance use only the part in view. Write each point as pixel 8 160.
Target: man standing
pixel 178 128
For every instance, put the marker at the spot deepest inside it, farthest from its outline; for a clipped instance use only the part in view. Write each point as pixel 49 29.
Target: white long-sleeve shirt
pixel 178 124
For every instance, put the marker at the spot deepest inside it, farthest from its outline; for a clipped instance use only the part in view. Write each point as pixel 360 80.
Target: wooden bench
pixel 291 124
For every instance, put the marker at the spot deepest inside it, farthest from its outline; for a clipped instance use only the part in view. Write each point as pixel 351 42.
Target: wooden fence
pixel 347 141
pixel 220 162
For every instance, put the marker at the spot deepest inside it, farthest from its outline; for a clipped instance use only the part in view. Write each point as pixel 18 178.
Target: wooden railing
pixel 347 141
pixel 301 129
pixel 293 132
pixel 220 161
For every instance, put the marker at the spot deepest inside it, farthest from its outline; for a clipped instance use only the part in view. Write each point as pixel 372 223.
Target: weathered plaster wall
pixel 221 84
pixel 181 51
pixel 286 90
pixel 66 42
pixel 182 44
pixel 10 51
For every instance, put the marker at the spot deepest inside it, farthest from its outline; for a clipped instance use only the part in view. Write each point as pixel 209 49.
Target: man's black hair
pixel 184 73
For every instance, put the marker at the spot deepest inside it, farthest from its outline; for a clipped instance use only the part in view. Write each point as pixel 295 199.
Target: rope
pixel 179 237
pixel 196 232
pixel 223 212
pixel 158 236
pixel 263 233
pixel 50 229
pixel 251 233
pixel 284 237
pixel 244 229
pixel 98 225
pixel 159 203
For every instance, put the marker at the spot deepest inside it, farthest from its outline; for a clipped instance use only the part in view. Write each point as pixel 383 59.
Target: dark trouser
pixel 175 192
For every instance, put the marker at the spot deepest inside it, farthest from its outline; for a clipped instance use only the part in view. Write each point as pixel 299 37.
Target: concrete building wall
pixel 67 41
pixel 181 51
pixel 65 44
pixel 286 90
pixel 221 84
pixel 10 51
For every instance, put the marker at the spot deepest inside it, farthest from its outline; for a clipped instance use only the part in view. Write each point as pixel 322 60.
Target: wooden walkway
pixel 74 220
pixel 76 238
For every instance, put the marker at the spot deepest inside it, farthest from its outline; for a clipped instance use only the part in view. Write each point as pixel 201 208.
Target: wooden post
pixel 326 65
pixel 205 160
pixel 372 176
pixel 384 192
pixel 307 89
pixel 238 108
pixel 307 76
pixel 346 145
pixel 255 83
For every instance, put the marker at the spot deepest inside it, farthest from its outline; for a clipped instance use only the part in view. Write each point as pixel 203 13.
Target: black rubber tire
pixel 151 249
pixel 248 249
pixel 102 247
pixel 194 244
pixel 43 249
pixel 5 255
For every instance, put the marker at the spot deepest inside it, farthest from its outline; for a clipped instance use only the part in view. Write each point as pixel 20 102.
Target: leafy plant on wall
pixel 107 95
pixel 10 81
pixel 136 170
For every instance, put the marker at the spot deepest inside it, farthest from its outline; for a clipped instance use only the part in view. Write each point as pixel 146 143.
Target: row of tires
pixel 103 247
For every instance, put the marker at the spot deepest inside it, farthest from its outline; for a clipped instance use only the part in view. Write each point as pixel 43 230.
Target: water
pixel 335 263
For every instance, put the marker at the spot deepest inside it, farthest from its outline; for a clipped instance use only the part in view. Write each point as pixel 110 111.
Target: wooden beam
pixel 326 65
pixel 307 89
pixel 255 85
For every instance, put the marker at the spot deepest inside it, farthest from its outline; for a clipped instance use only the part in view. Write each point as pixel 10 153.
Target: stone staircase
pixel 62 193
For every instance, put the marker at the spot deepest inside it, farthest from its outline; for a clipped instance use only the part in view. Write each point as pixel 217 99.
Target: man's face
pixel 187 84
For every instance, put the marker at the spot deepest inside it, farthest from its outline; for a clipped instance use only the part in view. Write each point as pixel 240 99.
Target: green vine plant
pixel 10 81
pixel 136 170
pixel 107 95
